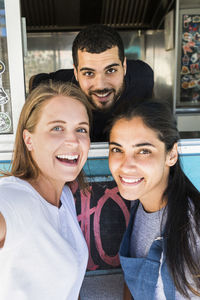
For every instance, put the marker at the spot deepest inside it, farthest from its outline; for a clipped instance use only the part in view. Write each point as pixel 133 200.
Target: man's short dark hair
pixel 97 39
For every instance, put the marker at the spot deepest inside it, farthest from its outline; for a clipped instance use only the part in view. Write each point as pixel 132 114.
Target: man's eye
pixel 88 74
pixel 57 128
pixel 111 70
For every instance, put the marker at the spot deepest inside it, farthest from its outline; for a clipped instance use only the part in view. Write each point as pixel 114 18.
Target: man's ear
pixel 75 73
pixel 124 65
pixel 27 137
pixel 172 156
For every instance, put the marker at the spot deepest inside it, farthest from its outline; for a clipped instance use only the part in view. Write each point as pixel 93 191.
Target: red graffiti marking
pixel 114 261
pixel 84 218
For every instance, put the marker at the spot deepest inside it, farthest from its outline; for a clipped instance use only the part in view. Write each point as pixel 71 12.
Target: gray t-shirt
pixel 146 228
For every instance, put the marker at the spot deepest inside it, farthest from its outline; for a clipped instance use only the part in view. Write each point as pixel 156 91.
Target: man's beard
pixel 104 106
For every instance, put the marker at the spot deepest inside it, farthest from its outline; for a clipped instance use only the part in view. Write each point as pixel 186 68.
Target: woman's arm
pixel 2 230
pixel 126 294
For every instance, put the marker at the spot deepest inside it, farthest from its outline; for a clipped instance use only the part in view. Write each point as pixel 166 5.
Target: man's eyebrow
pixel 87 69
pixel 135 145
pixel 111 66
pixel 106 68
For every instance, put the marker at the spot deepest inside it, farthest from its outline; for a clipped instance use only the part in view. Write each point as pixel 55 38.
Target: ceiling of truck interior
pixel 68 15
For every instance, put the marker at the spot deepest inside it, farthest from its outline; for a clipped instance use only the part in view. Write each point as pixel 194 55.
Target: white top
pixel 44 256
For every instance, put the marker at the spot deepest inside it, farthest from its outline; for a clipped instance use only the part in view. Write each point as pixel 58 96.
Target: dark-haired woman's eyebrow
pixel 143 145
pixel 135 145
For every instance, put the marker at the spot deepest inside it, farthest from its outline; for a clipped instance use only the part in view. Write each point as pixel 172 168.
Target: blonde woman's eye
pixel 57 128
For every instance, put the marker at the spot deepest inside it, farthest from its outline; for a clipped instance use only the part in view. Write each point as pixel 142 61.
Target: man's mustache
pixel 101 92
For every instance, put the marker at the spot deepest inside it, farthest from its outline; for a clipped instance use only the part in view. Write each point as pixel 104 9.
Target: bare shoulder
pixel 2 230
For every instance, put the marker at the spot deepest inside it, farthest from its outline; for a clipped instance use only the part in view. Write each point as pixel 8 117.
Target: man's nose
pixel 99 82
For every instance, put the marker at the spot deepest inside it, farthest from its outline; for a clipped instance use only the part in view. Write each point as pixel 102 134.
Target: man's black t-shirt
pixel 139 83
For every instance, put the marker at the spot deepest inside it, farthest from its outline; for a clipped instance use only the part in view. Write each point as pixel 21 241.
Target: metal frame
pixel 16 72
pixel 180 107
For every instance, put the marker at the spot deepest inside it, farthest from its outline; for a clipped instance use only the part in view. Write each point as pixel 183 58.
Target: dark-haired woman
pixel 160 251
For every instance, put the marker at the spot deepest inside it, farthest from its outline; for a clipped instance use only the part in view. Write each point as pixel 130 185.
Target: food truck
pixel 36 37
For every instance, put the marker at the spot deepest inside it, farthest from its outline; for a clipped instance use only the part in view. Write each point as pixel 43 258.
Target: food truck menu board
pixel 5 101
pixel 190 60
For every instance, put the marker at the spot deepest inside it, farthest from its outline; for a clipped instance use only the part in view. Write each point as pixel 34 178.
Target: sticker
pixel 185 85
pixel 185 60
pixel 190 28
pixel 197 36
pixel 197 75
pixel 194 27
pixel 187 20
pixel 188 47
pixel 192 84
pixel 3 96
pixel 185 70
pixel 195 97
pixel 198 84
pixel 186 78
pixel 196 19
pixel 5 122
pixel 187 37
pixel 194 68
pixel 2 67
pixel 194 58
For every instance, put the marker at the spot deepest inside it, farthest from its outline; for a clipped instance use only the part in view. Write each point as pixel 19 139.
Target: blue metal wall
pixel 99 167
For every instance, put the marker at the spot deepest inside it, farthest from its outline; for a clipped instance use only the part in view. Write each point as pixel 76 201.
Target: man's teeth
pixel 69 157
pixel 128 180
pixel 103 95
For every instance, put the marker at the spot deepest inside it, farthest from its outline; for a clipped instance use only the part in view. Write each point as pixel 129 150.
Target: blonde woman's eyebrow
pixel 63 122
pixel 56 121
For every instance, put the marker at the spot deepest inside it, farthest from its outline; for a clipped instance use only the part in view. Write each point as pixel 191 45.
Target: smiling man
pixel 104 75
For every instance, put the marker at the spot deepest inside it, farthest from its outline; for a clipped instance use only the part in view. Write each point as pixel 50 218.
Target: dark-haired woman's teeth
pixel 129 180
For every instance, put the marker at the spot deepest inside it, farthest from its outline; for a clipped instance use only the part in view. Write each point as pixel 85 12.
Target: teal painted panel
pixel 99 167
pixel 4 165
pixel 191 167
pixel 93 167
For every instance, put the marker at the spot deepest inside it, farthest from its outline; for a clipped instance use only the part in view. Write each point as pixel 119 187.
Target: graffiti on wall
pixel 103 216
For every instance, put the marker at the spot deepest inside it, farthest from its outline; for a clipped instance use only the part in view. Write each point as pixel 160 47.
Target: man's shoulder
pixel 137 66
pixel 139 80
pixel 62 75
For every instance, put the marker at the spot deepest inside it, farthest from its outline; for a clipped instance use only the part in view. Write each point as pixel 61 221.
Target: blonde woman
pixel 43 254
